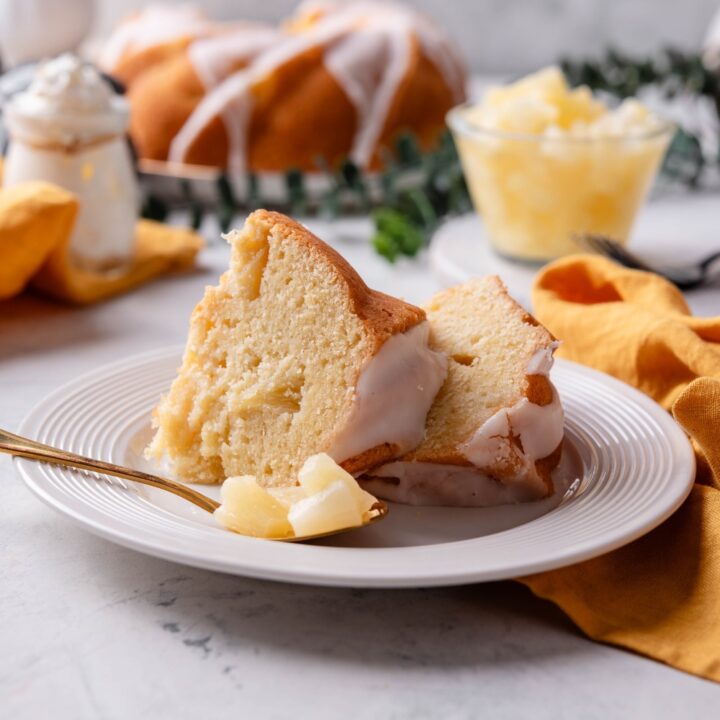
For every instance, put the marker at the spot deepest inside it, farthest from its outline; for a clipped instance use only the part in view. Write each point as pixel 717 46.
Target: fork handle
pixel 709 260
pixel 24 447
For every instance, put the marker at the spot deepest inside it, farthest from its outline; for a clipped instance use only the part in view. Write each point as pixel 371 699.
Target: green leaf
pixel 419 209
pixel 297 197
pixel 408 150
pixel 353 180
pixel 154 208
pixel 196 209
pixel 227 205
pixel 389 178
pixel 254 200
pixel 396 234
pixel 684 160
pixel 385 246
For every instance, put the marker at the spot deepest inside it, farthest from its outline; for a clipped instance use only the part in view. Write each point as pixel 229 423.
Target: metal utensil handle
pixel 24 447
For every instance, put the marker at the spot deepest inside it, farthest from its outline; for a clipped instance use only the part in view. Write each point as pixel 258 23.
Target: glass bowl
pixel 535 193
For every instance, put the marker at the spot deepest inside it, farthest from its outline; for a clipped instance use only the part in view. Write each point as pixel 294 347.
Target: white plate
pixel 632 466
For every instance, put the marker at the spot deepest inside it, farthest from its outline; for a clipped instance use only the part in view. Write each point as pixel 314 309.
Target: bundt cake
pixel 157 117
pixel 495 430
pixel 150 36
pixel 291 355
pixel 335 81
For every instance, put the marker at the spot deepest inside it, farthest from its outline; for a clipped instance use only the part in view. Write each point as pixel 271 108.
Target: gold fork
pixel 33 450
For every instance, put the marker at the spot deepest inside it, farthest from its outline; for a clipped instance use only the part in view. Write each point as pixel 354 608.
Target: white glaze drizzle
pixel 542 361
pixel 213 58
pixel 232 98
pixel 539 428
pixel 367 51
pixel 356 62
pixel 392 397
pixel 154 25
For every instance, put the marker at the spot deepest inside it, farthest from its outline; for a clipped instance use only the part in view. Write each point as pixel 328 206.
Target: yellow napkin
pixel 36 220
pixel 660 595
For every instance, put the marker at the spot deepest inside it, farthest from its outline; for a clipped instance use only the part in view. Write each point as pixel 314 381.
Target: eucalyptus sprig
pixel 420 190
pixel 407 198
pixel 623 75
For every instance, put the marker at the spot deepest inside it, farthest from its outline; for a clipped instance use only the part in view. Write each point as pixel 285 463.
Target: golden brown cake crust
pixel 211 146
pixel 300 114
pixel 370 458
pixel 154 124
pixel 286 129
pixel 538 390
pixel 134 64
pixel 381 314
pixel 546 465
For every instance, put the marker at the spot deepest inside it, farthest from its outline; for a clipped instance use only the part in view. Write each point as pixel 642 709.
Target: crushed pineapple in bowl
pixel 544 163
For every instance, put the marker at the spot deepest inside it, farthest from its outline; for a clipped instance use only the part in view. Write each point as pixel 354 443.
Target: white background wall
pixel 511 36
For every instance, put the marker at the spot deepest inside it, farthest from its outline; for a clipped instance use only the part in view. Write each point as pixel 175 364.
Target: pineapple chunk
pixel 249 509
pixel 333 508
pixel 327 499
pixel 319 471
pixel 543 102
pixel 288 495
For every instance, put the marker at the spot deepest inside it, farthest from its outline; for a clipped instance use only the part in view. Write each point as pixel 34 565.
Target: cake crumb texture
pixel 272 358
pixel 489 339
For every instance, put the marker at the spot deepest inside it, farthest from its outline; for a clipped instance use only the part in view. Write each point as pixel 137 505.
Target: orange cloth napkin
pixel 660 595
pixel 36 220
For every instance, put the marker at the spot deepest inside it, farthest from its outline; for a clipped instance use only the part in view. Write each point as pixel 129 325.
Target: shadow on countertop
pixel 218 617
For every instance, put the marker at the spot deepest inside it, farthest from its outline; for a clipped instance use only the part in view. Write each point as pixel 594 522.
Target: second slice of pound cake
pixel 495 430
pixel 291 354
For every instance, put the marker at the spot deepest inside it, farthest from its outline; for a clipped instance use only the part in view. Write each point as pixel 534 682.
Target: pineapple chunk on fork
pixel 327 499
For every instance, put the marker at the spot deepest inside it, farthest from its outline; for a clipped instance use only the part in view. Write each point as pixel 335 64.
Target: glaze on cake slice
pixel 291 355
pixel 495 430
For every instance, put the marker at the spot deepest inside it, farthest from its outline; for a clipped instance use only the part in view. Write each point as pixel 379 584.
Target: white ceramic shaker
pixel 69 128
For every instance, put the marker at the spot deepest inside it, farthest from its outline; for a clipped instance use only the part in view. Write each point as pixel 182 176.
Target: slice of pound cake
pixel 495 430
pixel 292 355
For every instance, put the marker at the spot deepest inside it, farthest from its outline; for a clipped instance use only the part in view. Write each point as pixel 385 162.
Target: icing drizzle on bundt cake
pixel 215 58
pixel 151 27
pixel 367 49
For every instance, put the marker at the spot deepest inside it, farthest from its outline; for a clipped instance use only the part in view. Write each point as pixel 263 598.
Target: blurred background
pixel 653 61
pixel 510 36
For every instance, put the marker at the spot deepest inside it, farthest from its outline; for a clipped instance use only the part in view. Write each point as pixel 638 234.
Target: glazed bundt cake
pixel 292 355
pixel 495 430
pixel 336 81
pixel 157 117
pixel 151 36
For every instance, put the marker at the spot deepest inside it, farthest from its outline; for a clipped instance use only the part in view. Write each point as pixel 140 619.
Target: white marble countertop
pixel 92 630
